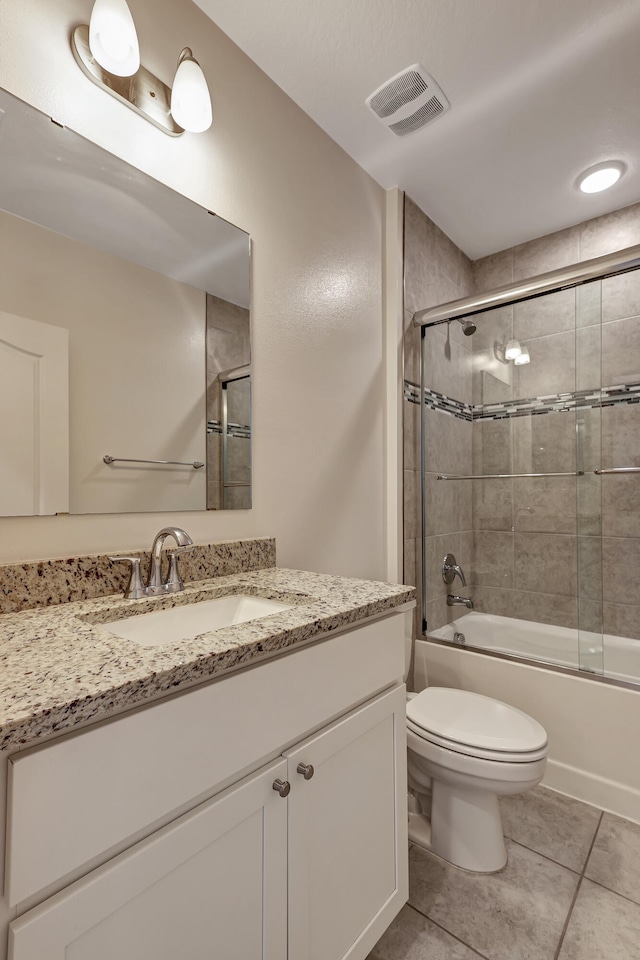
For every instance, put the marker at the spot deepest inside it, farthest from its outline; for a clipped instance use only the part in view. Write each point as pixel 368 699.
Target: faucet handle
pixel 135 588
pixel 452 569
pixel 174 581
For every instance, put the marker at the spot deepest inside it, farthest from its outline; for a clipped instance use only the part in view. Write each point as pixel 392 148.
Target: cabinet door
pixel 211 884
pixel 348 872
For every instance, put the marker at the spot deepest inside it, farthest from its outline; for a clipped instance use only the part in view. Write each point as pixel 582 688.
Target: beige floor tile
pixel 603 926
pixel 615 859
pixel 412 937
pixel 518 914
pixel 558 827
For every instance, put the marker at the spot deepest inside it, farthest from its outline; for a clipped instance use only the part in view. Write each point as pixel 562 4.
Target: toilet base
pixel 466 828
pixel 420 836
pixel 420 830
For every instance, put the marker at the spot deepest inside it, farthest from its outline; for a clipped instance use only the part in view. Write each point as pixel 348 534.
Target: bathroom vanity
pixel 239 794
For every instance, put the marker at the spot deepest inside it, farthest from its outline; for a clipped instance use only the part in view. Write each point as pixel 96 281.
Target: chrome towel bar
pixel 513 476
pixel 177 463
pixel 508 476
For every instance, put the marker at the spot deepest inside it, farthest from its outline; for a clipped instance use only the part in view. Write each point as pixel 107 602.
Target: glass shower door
pixel 588 402
pixel 620 477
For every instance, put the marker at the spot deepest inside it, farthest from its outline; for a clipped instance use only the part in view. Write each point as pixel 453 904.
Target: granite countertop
pixel 60 666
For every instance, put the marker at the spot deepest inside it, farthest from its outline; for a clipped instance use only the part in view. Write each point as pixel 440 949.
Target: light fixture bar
pixel 143 92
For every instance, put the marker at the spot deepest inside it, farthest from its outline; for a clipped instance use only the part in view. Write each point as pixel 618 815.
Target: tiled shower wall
pixel 532 540
pixel 436 271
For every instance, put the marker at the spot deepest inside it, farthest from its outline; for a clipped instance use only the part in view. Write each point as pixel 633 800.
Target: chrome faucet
pixel 156 586
pixel 452 569
pixel 173 583
pixel 455 601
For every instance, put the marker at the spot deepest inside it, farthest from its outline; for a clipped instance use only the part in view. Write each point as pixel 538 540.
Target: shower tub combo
pixel 614 658
pixel 547 455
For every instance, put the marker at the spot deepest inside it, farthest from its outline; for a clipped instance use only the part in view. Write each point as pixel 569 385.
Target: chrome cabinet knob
pixel 306 770
pixel 282 787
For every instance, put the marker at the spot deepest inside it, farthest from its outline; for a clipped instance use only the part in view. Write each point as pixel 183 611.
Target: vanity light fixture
pixel 107 52
pixel 190 100
pixel 113 38
pixel 512 350
pixel 601 176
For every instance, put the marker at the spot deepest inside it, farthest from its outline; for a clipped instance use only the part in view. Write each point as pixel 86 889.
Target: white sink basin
pixel 191 619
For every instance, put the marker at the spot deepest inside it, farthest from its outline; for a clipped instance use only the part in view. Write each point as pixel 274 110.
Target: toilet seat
pixel 475 726
pixel 496 756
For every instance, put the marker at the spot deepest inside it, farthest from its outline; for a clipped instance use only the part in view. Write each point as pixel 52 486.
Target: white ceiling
pixel 539 90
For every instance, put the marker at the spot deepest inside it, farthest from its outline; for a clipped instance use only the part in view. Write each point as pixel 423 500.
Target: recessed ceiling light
pixel 601 176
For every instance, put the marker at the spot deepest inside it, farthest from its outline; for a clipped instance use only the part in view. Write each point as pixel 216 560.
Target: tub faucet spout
pixel 454 601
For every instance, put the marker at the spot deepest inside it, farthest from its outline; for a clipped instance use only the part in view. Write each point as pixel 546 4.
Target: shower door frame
pixel 600 268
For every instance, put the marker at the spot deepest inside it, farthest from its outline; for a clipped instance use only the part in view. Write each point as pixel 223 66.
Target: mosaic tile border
pixel 240 430
pixel 533 406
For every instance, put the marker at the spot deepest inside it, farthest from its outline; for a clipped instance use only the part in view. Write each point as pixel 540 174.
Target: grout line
pixel 544 855
pixel 448 932
pixel 616 893
pixel 577 891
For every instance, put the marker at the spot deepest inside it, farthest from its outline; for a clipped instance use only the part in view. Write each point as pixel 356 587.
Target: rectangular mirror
pixel 125 365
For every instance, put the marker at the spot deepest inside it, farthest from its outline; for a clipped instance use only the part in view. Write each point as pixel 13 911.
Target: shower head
pixel 468 327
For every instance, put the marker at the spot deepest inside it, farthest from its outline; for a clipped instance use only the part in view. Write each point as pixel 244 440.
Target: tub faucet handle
pixel 452 569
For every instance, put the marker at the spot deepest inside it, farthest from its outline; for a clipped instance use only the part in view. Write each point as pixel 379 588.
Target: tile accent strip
pixel 44 583
pixel 533 406
pixel 234 429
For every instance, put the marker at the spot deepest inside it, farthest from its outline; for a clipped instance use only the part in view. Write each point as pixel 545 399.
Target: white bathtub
pixel 592 726
pixel 617 658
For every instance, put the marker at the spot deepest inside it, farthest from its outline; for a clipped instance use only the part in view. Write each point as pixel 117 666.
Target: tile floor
pixel 571 891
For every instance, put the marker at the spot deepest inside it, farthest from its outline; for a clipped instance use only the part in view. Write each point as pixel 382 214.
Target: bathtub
pixel 592 721
pixel 556 646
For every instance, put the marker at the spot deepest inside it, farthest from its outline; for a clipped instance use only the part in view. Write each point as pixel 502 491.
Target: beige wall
pixel 123 322
pixel 315 219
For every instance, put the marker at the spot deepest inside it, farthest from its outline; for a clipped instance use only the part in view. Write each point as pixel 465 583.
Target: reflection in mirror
pixel 121 303
pixel 228 406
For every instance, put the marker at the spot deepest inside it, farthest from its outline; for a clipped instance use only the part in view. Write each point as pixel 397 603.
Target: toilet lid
pixel 468 718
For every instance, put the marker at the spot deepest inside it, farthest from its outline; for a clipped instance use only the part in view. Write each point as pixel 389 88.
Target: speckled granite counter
pixel 61 666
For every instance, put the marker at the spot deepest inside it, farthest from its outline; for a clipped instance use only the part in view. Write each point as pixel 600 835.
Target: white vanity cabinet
pixel 347 832
pixel 211 884
pixel 315 870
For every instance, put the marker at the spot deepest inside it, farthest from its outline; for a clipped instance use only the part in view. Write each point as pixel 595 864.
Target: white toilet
pixel 466 750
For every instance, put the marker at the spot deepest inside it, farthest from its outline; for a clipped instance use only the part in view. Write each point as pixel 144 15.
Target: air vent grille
pixel 405 88
pixel 408 101
pixel 429 111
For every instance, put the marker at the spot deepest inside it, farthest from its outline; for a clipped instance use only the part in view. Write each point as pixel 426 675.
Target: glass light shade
pixel 113 39
pixel 190 100
pixel 512 350
pixel 522 358
pixel 601 177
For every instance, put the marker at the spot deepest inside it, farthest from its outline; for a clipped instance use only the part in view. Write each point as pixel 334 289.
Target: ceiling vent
pixel 408 101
